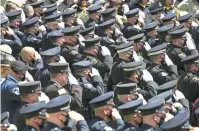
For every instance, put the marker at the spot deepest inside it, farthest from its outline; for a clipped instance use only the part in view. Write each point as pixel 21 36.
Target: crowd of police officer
pixel 99 65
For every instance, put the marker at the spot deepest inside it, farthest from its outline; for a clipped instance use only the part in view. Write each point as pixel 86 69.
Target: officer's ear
pixel 106 110
pixel 128 98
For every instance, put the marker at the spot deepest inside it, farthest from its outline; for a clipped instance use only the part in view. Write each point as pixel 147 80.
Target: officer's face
pixel 144 1
pixel 168 2
pixel 156 16
pixel 83 3
pixel 139 47
pixel 188 25
pixel 35 96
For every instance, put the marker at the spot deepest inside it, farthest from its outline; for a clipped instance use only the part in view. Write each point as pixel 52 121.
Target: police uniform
pixel 100 62
pixel 147 89
pixel 62 104
pixel 15 16
pixel 25 88
pixel 154 10
pixel 178 123
pixel 116 76
pixel 43 75
pixel 69 52
pixel 92 9
pixel 30 39
pixel 51 41
pixel 4 119
pixel 29 111
pixel 38 8
pixel 128 109
pixel 14 42
pixel 152 40
pixel 98 123
pixel 50 11
pixel 129 29
pixel 152 107
pixel 10 92
pixel 54 89
pixel 190 80
pixel 176 53
pixel 196 35
pixel 163 32
pixel 160 73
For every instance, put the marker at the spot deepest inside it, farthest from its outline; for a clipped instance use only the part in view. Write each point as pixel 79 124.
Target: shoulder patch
pixel 74 52
pixel 164 74
pixel 15 90
pixel 88 85
pixel 182 55
pixel 195 78
pixel 107 128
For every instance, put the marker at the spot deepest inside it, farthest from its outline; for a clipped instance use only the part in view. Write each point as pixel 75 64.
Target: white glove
pixel 190 43
pixel 117 32
pixel 29 77
pixel 10 31
pixel 147 46
pixel 168 60
pixel 42 28
pixel 135 56
pixel 72 79
pixel 105 51
pixel 147 76
pixel 43 97
pixel 125 8
pixel 178 95
pixel 140 97
pixel 61 25
pixel 75 116
pixel 94 72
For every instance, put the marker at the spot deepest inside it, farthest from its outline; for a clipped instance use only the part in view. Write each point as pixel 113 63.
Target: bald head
pixel 27 54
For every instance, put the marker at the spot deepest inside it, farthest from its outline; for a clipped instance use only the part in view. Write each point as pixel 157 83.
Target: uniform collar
pixel 12 78
pixel 167 7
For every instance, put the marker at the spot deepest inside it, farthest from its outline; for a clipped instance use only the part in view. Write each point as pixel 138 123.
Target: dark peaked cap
pixel 37 4
pixel 184 18
pixel 94 8
pixel 29 87
pixel 176 123
pixel 60 103
pixel 132 13
pixel 124 89
pixel 32 22
pixel 14 14
pixel 51 52
pixel 32 110
pixel 92 42
pixel 82 64
pixel 130 107
pixel 132 66
pixel 178 33
pixel 70 31
pixel 102 100
pixel 167 86
pixel 58 67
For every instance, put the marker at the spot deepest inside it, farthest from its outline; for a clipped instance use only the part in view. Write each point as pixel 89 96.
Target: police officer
pixel 52 22
pixel 160 71
pixel 8 37
pixel 29 94
pixel 31 57
pixel 151 33
pixel 32 36
pixel 48 56
pixel 54 39
pixel 125 93
pixel 131 27
pixel 50 9
pixel 100 56
pixel 163 33
pixel 9 88
pixel 156 13
pixel 94 16
pixel 72 49
pixel 60 106
pixel 103 107
pixel 34 116
pixel 196 35
pixel 91 82
pixel 125 54
pixel 15 22
pixel 133 72
pixel 189 78
pixel 70 18
pixel 66 4
pixel 5 124
pixel 140 46
pixel 131 116
pixel 170 18
pixel 38 8
pixel 153 115
pixel 110 13
pixel 59 85
pixel 180 47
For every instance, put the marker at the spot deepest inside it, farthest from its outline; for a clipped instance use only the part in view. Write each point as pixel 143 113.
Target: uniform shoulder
pixel 100 125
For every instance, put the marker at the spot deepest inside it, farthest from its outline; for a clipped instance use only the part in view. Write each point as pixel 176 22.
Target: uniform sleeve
pixel 14 41
pixel 162 76
pixel 82 126
pixel 119 124
pixel 71 55
pixel 149 90
pixel 76 93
